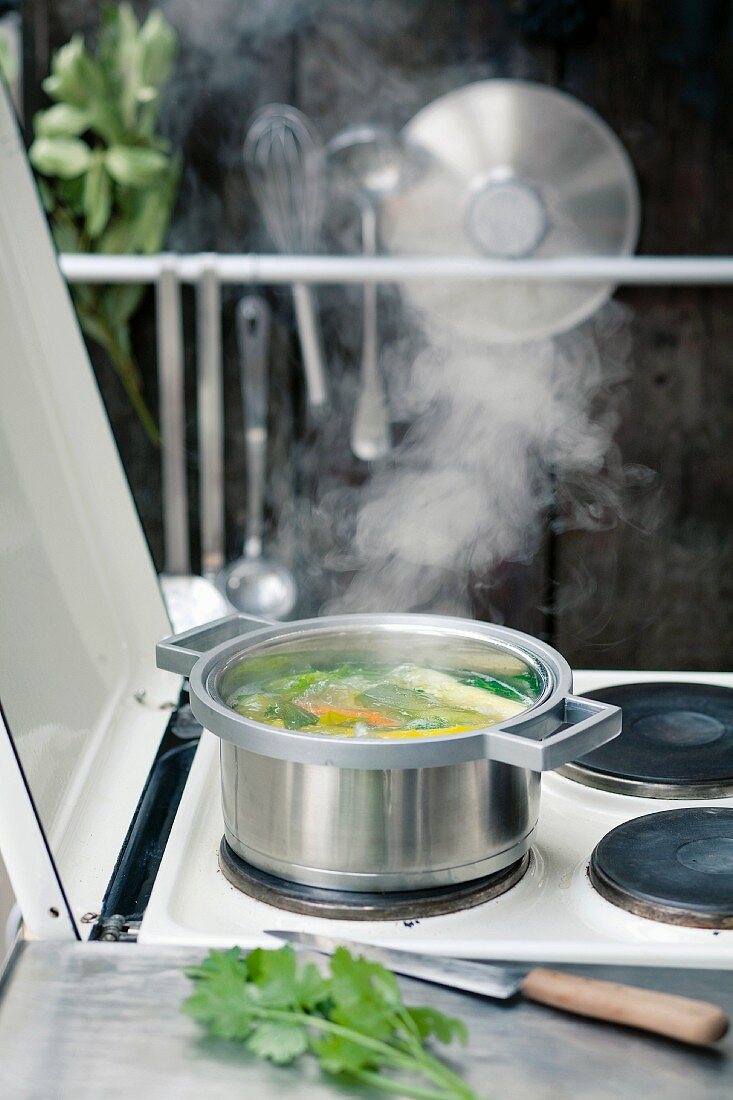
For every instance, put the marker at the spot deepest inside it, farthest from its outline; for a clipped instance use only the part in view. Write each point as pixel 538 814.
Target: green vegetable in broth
pixel 290 714
pixel 314 693
pixel 499 687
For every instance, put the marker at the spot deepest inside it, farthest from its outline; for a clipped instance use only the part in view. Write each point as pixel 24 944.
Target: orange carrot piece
pixel 371 717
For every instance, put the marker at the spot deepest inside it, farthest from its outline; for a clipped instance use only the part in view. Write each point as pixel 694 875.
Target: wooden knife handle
pixel 664 1013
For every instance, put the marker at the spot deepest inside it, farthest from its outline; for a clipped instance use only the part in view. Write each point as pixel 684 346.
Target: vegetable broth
pixel 366 684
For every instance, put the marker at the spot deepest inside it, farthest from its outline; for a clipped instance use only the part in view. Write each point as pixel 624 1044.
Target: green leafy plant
pixel 8 64
pixel 107 178
pixel 354 1020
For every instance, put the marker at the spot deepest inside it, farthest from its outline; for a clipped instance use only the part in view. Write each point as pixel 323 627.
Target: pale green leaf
pixel 147 94
pixel 121 53
pixel 62 120
pixel 159 47
pixel 8 61
pixel 149 224
pixel 357 981
pixel 97 199
pixel 107 120
pixel 66 236
pixel 220 999
pixel 365 1017
pixel 279 1041
pixel 76 78
pixel 115 240
pixel 65 81
pixel 341 1055
pixel 119 30
pixel 431 1022
pixel 147 117
pixel 63 157
pixel 133 166
pixel 312 988
pixel 228 966
pixel 46 194
pixel 273 972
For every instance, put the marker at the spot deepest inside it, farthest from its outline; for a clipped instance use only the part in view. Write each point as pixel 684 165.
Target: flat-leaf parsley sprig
pixel 353 1019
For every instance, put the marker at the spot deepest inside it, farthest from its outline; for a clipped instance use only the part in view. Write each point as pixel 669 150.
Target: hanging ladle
pixel 253 583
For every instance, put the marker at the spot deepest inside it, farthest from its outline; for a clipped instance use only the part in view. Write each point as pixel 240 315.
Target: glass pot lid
pixel 372 682
pixel 555 727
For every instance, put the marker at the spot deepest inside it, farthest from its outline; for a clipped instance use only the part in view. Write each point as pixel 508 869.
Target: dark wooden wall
pixel 651 585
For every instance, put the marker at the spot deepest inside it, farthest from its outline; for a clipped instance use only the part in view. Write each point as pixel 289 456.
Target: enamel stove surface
pixel 553 912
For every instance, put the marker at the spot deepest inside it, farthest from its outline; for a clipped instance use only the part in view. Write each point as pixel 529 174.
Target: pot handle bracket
pixel 180 652
pixel 587 724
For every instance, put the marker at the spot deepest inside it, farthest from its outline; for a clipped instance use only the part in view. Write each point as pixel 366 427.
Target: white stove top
pixel 552 914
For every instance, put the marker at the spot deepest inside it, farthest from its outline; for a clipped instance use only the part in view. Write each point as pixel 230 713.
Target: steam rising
pixel 494 430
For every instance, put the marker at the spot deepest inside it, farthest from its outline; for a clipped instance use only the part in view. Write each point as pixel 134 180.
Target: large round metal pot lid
pixel 557 728
pixel 550 732
pixel 355 645
pixel 510 170
pixel 402 680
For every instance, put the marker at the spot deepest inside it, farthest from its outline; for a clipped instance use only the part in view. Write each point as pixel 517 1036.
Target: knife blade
pixel 680 1018
pixel 481 978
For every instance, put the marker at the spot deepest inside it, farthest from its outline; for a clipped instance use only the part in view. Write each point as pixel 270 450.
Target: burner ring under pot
pixel 316 901
pixel 675 866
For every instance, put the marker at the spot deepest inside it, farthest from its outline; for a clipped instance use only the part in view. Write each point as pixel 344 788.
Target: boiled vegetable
pixel 448 690
pixel 305 691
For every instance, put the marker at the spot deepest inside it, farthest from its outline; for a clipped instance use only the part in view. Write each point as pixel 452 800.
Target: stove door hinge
pixel 116 929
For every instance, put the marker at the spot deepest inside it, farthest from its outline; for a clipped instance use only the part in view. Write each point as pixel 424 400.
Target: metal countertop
pixel 102 1020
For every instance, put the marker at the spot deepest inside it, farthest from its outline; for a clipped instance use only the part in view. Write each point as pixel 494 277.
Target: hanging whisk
pixel 285 161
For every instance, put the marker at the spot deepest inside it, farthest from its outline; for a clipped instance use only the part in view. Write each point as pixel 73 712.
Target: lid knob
pixel 506 217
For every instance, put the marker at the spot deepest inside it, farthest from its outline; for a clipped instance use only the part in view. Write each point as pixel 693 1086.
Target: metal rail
pixel 172 422
pixel 210 408
pixel 245 268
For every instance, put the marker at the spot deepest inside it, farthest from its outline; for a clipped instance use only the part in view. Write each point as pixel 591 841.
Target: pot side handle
pixel 588 723
pixel 180 652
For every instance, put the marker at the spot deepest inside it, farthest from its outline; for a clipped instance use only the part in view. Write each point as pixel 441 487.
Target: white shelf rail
pixel 246 268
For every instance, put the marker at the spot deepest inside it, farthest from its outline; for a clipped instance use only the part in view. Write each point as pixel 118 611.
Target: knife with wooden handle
pixel 681 1018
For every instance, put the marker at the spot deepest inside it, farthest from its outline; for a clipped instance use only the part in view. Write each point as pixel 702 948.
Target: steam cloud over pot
pixel 494 430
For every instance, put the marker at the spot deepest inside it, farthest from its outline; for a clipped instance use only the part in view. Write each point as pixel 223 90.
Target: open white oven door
pixel 83 706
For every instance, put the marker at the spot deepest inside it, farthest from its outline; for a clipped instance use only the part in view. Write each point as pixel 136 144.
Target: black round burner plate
pixel 675 866
pixel 676 742
pixel 350 905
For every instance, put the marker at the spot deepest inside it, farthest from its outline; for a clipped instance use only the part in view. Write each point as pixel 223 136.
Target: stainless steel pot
pixel 365 814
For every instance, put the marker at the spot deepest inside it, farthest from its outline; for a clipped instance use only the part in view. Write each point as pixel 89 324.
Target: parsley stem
pixel 422 1062
pixel 413 1044
pixel 398 1087
pixel 397 1058
pixel 441 1072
